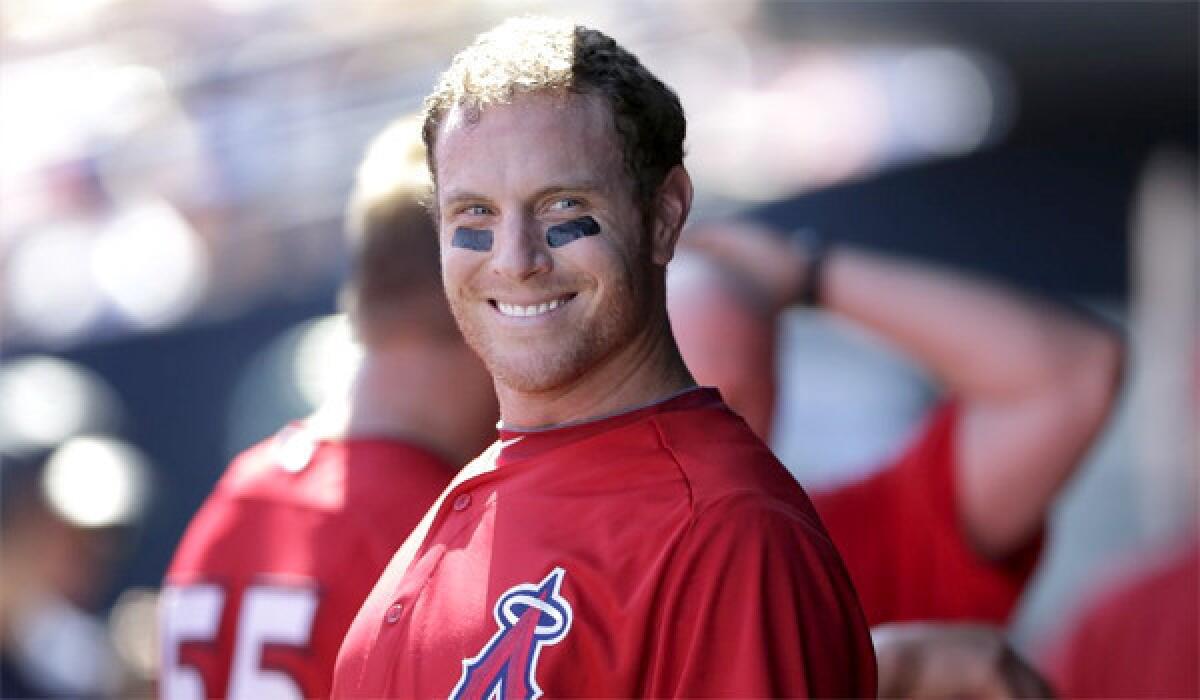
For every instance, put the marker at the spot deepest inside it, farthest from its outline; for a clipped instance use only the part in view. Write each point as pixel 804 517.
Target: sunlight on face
pixel 539 315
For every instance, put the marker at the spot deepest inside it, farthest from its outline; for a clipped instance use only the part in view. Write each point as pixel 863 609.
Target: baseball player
pixel 275 564
pixel 628 535
pixel 950 528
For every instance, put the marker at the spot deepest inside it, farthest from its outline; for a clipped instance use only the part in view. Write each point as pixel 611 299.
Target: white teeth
pixel 533 310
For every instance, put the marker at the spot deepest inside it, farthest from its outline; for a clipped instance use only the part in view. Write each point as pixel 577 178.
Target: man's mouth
pixel 528 310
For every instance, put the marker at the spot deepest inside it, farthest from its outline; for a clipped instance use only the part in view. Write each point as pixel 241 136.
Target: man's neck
pixel 643 372
pixel 400 392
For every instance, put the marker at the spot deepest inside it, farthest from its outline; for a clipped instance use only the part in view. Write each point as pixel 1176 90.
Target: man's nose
pixel 519 250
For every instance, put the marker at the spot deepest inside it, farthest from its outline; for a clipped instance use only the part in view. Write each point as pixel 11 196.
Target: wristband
pixel 816 250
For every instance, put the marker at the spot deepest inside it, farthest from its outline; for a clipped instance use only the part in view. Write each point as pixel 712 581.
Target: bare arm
pixel 1035 381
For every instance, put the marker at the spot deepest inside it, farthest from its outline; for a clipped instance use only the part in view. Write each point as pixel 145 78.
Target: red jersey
pixel 1140 639
pixel 663 552
pixel 278 560
pixel 903 541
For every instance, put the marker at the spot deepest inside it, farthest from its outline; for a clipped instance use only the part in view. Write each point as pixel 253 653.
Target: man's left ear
pixel 671 207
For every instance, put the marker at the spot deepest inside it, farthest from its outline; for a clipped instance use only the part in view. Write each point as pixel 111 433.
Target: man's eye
pixel 566 203
pixel 476 210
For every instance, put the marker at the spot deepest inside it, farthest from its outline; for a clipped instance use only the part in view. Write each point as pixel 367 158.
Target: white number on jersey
pixel 270 614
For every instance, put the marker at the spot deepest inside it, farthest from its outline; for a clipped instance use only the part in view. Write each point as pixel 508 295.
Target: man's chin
pixel 533 377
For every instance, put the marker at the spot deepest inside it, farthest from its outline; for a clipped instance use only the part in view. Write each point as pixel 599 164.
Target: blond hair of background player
pixel 394 300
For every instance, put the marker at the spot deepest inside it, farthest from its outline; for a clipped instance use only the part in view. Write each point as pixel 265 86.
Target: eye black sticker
pixel 562 234
pixel 472 239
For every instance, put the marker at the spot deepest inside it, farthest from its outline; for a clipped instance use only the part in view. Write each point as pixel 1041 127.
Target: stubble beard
pixel 548 366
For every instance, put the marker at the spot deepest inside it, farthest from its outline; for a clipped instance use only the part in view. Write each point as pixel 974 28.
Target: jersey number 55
pixel 270 615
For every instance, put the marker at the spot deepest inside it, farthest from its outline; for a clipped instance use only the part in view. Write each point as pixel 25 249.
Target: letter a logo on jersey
pixel 530 617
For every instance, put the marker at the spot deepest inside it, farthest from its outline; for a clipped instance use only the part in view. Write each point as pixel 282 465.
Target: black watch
pixel 816 250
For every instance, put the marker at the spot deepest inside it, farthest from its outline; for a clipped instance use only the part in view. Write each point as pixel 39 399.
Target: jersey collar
pixel 517 445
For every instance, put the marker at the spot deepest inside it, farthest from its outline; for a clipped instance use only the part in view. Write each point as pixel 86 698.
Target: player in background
pixel 949 529
pixel 628 536
pixel 275 564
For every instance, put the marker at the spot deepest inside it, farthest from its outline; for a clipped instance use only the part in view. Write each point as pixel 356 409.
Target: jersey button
pixel 462 502
pixel 393 613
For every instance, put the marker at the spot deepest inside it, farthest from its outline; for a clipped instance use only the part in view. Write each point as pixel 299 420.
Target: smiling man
pixel 628 535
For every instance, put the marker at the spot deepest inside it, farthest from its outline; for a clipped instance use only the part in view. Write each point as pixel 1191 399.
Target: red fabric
pixel 680 557
pixel 328 529
pixel 1140 639
pixel 901 537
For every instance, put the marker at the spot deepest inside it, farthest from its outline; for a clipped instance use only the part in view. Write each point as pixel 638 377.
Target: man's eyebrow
pixel 451 197
pixel 456 196
pixel 579 186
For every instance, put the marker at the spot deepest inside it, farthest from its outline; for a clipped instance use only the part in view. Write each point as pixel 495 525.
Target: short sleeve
pixel 757 604
pixel 903 541
pixel 1144 624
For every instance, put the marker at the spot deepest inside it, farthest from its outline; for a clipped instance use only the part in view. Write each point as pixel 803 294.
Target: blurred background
pixel 173 176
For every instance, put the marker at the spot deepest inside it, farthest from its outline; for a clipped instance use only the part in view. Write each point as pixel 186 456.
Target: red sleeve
pixel 901 536
pixel 1071 665
pixel 1138 637
pixel 759 605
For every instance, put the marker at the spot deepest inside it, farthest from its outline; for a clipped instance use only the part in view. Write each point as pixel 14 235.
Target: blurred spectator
pixel 951 529
pixel 964 662
pixel 277 562
pixel 1139 634
pixel 54 565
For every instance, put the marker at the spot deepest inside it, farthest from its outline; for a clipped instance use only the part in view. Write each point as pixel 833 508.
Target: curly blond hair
pixel 538 54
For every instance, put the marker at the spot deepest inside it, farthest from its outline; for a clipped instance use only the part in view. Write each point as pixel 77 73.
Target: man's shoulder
pixel 259 486
pixel 723 461
pixel 289 492
pixel 711 432
pixel 296 468
pixel 275 469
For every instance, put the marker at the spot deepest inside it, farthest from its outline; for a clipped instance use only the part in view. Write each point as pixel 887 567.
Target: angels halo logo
pixel 529 617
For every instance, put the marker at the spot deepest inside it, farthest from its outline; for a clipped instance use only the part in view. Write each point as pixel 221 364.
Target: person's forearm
pixel 980 340
pixel 1035 381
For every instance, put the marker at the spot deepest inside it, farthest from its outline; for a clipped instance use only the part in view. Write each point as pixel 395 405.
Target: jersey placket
pixel 458 515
